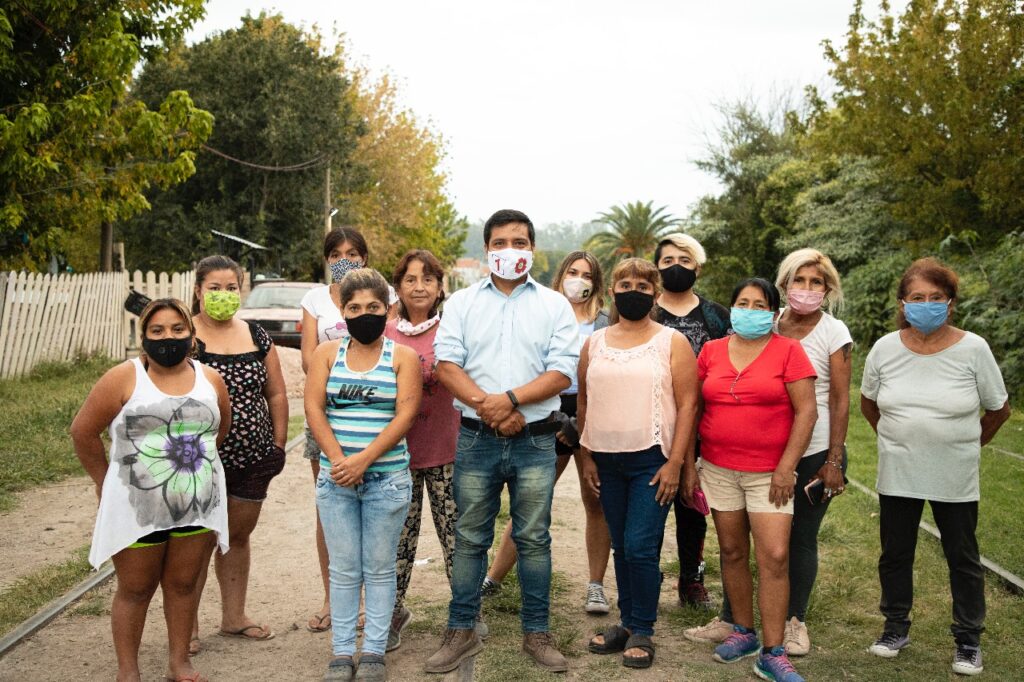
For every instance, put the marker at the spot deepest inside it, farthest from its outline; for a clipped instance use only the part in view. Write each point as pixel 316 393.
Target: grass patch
pixel 1002 479
pixel 295 424
pixel 32 592
pixel 37 413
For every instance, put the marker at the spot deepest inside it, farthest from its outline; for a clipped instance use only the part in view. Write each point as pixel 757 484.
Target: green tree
pixel 75 153
pixel 936 96
pixel 632 230
pixel 399 199
pixel 741 227
pixel 280 100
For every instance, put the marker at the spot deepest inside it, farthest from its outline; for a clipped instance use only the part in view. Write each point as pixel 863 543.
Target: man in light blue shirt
pixel 505 348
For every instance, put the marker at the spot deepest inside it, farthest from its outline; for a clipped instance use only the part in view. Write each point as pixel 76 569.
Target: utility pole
pixel 327 214
pixel 106 246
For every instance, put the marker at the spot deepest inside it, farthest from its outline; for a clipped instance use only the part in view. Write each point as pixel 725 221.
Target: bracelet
pixel 512 397
pixel 837 465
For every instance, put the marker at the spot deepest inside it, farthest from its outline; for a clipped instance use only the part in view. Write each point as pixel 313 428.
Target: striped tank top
pixel 361 404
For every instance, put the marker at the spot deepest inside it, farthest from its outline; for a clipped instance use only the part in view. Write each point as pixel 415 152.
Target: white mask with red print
pixel 510 263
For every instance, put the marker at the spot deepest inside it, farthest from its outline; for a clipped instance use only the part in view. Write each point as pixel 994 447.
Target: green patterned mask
pixel 222 305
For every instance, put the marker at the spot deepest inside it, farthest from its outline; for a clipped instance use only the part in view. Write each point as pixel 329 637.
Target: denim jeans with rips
pixel 362 525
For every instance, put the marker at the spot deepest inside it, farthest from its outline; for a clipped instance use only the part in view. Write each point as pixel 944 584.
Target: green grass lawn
pixel 843 618
pixel 30 593
pixel 37 412
pixel 1000 525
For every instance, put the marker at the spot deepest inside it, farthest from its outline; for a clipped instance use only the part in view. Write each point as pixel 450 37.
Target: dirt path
pixel 285 589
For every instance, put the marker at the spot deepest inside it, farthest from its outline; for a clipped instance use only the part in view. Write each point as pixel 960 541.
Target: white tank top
pixel 164 470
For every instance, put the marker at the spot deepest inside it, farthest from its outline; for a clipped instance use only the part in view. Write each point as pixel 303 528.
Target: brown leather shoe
pixel 456 646
pixel 541 647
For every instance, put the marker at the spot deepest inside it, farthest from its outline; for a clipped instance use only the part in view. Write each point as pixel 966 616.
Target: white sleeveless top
pixel 630 402
pixel 164 470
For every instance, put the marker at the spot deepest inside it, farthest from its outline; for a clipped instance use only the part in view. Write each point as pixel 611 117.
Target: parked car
pixel 275 307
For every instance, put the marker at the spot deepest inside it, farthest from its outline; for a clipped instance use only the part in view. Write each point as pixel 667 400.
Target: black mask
pixel 677 278
pixel 167 352
pixel 633 305
pixel 366 328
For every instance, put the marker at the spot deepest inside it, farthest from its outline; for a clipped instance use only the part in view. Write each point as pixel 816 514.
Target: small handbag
pixel 700 502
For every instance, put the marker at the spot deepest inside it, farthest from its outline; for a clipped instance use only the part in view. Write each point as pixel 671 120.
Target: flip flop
pixel 194 646
pixel 615 638
pixel 267 634
pixel 639 642
pixel 323 623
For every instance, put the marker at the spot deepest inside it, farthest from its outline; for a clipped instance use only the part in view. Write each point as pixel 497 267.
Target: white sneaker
pixel 596 601
pixel 714 632
pixel 797 640
pixel 967 660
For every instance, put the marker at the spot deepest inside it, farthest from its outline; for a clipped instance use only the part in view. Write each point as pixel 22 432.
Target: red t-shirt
pixel 747 419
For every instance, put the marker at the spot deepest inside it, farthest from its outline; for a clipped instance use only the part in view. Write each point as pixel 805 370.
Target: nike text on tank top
pixel 361 404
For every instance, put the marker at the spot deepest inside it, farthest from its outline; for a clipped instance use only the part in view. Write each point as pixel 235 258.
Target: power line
pixel 317 161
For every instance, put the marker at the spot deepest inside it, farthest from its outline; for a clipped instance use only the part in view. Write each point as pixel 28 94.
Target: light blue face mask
pixel 926 316
pixel 751 324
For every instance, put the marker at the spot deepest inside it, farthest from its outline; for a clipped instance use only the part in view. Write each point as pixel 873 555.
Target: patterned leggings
pixel 438 482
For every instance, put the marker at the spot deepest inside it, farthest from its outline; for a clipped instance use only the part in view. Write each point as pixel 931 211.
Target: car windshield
pixel 269 296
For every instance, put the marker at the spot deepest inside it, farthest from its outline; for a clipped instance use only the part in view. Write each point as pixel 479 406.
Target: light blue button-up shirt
pixel 503 342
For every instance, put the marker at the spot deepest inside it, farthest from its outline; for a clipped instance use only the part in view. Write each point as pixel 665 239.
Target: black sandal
pixel 615 638
pixel 639 642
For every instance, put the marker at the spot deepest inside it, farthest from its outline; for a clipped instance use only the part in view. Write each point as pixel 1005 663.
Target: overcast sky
pixel 563 108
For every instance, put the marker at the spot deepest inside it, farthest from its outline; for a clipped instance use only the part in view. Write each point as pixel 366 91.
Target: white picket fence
pixel 61 317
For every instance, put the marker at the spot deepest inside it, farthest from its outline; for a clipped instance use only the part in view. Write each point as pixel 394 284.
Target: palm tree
pixel 633 230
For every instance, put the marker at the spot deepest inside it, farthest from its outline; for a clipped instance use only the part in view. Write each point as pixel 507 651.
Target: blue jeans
pixel 483 464
pixel 361 527
pixel 636 523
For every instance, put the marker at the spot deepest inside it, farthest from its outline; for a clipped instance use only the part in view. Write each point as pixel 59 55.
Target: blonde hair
pixel 804 257
pixel 596 300
pixel 153 307
pixel 683 242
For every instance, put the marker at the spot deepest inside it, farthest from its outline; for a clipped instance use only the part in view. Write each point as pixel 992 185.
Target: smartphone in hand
pixel 815 491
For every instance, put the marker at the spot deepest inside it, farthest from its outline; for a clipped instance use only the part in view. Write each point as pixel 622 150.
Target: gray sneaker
pixel 889 645
pixel 399 620
pixel 596 601
pixel 967 660
pixel 489 588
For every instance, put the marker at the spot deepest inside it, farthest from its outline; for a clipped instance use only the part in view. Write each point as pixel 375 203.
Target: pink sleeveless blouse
pixel 630 403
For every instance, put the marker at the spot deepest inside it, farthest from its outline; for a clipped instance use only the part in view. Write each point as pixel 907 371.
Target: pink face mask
pixel 804 301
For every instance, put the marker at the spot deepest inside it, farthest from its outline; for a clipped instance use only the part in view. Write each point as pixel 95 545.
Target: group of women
pixel 741 414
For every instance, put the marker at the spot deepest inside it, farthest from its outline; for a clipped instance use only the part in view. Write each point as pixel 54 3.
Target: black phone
pixel 815 491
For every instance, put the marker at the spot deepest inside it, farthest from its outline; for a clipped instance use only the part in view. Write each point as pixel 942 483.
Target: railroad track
pixel 464 673
pixel 60 604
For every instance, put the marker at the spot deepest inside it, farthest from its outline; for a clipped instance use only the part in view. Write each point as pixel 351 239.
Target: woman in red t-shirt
pixel 757 414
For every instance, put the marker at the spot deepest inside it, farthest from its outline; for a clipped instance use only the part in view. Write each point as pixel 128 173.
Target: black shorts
pixel 569 409
pixel 251 482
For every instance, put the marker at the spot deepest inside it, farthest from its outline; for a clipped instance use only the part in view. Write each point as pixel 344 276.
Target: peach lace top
pixel 630 403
